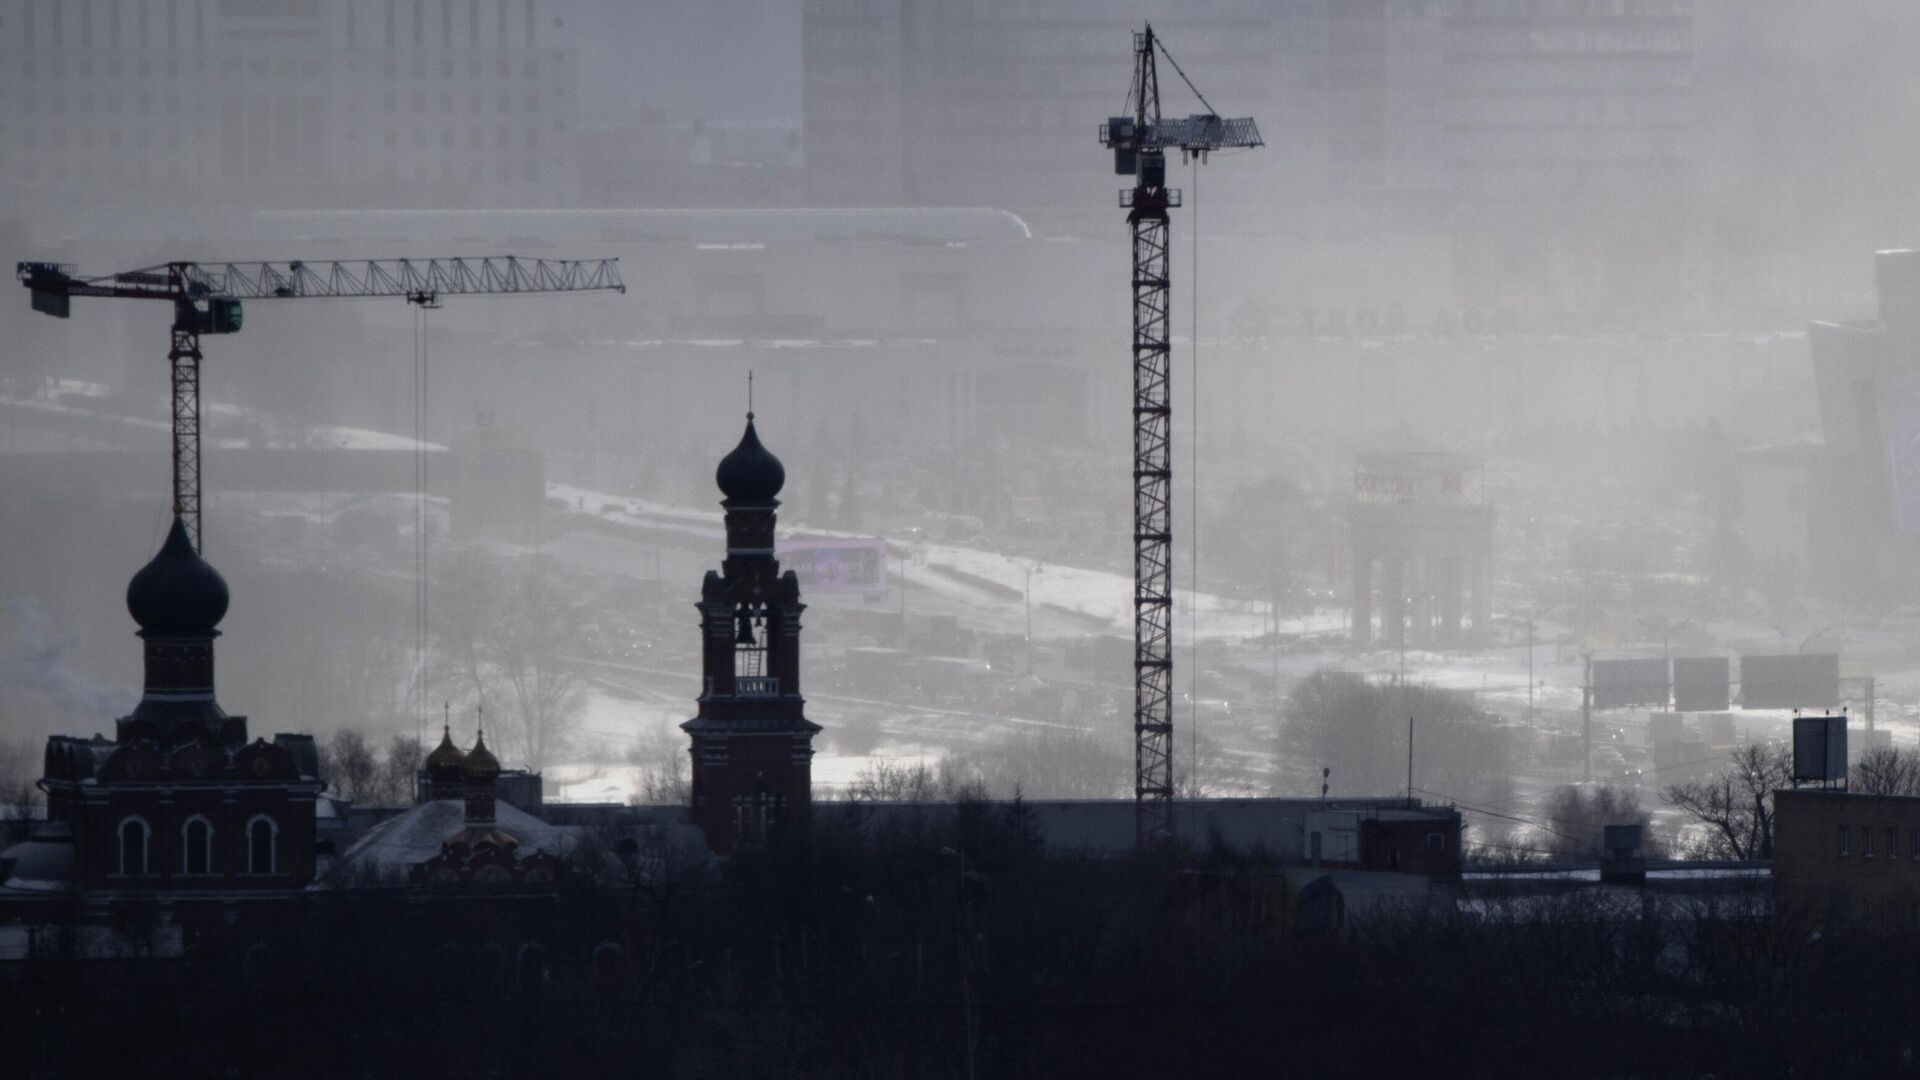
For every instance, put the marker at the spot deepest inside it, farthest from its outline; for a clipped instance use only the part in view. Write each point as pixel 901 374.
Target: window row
pixel 1859 840
pixel 136 856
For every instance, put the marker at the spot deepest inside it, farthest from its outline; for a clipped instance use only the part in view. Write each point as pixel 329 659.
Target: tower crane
pixel 1140 143
pixel 206 299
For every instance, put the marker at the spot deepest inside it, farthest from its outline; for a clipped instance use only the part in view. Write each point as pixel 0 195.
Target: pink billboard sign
pixel 850 565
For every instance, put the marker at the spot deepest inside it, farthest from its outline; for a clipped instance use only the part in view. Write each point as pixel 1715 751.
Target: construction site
pixel 1413 490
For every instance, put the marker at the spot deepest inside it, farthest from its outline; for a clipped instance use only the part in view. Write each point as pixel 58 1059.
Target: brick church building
pixel 752 743
pixel 180 806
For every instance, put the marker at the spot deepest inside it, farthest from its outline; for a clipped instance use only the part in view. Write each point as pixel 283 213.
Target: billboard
pixel 1618 684
pixel 1798 681
pixel 1700 683
pixel 1819 748
pixel 852 565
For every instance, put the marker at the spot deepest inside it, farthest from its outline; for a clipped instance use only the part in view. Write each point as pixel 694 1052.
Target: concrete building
pixel 1566 131
pixel 1550 141
pixel 119 103
pixel 914 102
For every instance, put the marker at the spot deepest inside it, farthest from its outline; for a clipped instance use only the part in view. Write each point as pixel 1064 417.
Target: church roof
pixel 393 847
pixel 177 594
pixel 750 475
pixel 42 863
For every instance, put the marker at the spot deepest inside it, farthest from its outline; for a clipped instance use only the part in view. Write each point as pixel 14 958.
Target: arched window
pixel 133 847
pixel 262 837
pixel 196 846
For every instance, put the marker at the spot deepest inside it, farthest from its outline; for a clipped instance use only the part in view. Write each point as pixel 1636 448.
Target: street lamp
pixel 1030 571
pixel 1665 626
pixel 1533 614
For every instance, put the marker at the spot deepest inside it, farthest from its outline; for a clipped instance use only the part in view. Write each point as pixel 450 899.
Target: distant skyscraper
pixel 1553 137
pixel 286 103
pixel 915 102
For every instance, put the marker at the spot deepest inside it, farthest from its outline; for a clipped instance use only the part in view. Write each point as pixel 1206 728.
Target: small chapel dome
pixel 445 764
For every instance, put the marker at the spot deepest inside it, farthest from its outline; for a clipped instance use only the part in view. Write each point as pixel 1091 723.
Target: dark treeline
pixel 951 945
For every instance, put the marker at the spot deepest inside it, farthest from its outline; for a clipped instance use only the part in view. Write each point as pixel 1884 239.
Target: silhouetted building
pixel 752 743
pixel 1868 474
pixel 179 806
pixel 1423 518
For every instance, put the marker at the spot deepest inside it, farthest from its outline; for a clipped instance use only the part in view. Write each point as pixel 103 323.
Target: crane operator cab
pixel 213 315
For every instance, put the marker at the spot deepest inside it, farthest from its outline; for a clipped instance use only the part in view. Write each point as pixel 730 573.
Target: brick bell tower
pixel 752 743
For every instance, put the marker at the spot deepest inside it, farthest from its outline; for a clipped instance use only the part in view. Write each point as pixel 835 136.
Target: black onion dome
pixel 481 765
pixel 750 475
pixel 177 594
pixel 445 762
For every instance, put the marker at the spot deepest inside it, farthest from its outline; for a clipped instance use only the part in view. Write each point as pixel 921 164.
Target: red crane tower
pixel 1139 143
pixel 206 300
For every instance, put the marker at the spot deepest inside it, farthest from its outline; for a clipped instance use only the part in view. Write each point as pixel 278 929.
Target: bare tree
pixel 533 650
pixel 510 637
pixel 1736 806
pixel 1887 770
pixel 397 772
pixel 20 802
pixel 355 771
pixel 664 772
pixel 884 780
pixel 1576 818
pixel 349 766
pixel 1358 729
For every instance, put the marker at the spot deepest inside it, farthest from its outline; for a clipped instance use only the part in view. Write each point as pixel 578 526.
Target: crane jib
pixel 207 299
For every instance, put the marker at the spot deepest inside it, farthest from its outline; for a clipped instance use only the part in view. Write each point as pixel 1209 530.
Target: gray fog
pixel 1540 335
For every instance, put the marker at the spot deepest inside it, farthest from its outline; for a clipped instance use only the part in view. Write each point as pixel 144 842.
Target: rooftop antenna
pixel 749 393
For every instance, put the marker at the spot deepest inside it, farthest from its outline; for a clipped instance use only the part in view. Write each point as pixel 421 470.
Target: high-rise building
pixel 1551 136
pixel 353 103
pixel 911 102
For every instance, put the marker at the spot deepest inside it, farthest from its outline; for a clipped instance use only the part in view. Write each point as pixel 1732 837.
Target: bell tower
pixel 752 744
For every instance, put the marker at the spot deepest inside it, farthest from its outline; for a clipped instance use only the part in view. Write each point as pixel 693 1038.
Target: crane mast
pixel 206 300
pixel 1139 143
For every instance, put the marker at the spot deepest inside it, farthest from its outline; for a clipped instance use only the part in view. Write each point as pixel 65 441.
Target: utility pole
pixel 1586 722
pixel 1409 761
pixel 1530 681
